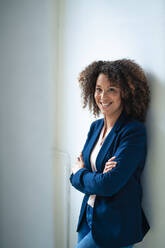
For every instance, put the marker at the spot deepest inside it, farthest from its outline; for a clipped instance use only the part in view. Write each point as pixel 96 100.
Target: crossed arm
pixel 79 164
pixel 129 156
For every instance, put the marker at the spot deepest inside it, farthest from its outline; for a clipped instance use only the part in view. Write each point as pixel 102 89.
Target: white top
pixel 93 157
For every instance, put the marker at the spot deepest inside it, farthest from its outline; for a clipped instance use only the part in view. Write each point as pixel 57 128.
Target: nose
pixel 103 95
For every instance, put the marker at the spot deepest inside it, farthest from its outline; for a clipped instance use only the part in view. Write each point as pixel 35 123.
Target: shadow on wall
pixel 153 175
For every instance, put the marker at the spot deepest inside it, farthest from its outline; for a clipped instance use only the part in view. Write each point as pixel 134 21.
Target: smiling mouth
pixel 105 104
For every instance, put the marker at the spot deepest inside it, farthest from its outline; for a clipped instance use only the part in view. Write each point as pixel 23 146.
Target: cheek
pixel 96 97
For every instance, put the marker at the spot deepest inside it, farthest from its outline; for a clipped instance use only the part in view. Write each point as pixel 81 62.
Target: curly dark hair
pixel 124 73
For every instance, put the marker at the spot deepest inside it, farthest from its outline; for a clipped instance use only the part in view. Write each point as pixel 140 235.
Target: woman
pixel 109 168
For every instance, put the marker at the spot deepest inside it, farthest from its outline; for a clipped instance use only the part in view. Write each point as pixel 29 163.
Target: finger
pixel 110 167
pixel 112 158
pixel 109 163
pixel 106 170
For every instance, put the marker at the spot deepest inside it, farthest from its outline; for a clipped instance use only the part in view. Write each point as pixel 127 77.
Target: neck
pixel 109 121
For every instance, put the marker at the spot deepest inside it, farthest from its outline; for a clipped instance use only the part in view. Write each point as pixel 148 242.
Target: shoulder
pixel 95 124
pixel 133 127
pixel 133 124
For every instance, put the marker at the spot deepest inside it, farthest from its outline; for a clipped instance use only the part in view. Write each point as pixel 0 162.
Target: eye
pixel 111 89
pixel 98 89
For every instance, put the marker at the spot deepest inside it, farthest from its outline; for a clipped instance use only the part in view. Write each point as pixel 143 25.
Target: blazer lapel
pixel 109 141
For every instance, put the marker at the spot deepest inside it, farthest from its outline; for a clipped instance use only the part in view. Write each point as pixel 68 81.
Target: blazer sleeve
pixel 130 154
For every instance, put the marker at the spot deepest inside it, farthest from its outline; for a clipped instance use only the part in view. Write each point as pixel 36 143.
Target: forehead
pixel 104 81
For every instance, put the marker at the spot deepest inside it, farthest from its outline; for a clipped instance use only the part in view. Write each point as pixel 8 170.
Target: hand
pixel 109 165
pixel 79 164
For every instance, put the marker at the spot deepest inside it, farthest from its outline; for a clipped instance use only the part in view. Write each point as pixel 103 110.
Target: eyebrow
pixel 97 85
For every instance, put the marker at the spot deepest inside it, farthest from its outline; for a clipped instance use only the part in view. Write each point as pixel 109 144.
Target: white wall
pixel 48 41
pixel 27 32
pixel 108 30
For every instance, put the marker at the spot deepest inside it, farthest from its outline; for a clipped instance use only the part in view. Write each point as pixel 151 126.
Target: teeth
pixel 105 104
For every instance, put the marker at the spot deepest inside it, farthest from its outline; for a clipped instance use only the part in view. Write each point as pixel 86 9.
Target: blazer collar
pixel 100 160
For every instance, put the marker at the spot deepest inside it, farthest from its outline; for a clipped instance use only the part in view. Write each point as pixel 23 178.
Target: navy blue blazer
pixel 118 217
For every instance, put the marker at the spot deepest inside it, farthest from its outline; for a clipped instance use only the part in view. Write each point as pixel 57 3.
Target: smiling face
pixel 108 97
